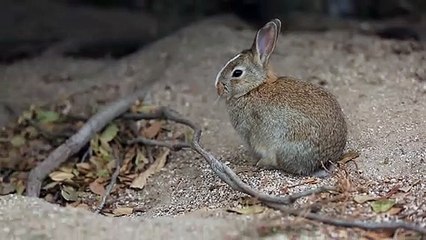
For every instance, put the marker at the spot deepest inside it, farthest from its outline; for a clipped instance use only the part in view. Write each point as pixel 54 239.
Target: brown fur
pixel 290 124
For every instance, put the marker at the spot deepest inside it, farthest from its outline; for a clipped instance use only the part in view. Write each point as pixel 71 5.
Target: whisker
pixel 216 101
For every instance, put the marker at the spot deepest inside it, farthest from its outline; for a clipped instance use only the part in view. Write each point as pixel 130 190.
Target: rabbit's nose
pixel 220 88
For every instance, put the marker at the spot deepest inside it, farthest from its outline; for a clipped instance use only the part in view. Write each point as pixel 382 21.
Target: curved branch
pixel 172 145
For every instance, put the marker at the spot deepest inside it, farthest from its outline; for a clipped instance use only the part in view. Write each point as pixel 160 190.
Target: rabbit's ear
pixel 265 40
pixel 278 24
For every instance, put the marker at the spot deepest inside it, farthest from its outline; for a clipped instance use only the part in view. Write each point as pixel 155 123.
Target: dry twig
pixel 366 225
pixel 172 145
pixel 111 184
pixel 77 141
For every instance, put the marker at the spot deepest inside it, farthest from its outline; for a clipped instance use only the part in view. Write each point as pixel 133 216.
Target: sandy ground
pixel 380 84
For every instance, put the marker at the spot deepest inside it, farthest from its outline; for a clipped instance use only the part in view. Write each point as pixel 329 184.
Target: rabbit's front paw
pixel 322 173
pixel 267 163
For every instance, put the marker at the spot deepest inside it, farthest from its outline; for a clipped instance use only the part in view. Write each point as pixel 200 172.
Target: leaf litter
pixel 28 142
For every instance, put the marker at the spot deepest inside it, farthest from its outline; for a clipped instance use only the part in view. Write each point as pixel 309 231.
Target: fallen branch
pixel 111 184
pixel 172 145
pixel 366 225
pixel 77 141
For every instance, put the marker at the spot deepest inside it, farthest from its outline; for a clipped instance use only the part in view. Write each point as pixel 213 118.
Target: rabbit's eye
pixel 237 73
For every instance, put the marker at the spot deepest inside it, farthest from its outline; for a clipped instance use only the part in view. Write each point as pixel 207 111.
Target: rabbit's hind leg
pixel 267 163
pixel 325 171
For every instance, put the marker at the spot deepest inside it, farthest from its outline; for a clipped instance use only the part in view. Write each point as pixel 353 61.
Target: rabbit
pixel 289 124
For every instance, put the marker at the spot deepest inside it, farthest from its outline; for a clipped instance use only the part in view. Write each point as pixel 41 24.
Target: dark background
pixel 115 28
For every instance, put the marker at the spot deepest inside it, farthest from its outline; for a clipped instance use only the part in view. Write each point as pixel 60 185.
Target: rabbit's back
pixel 302 122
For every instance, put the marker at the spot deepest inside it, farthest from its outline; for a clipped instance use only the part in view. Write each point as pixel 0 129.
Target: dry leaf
pixel 25 115
pixel 73 204
pixel 306 181
pixel 102 173
pixel 108 214
pixel 310 181
pixel 60 176
pixel 103 180
pixel 416 182
pixel 6 188
pixel 111 165
pixel 105 150
pixel 94 144
pixel 20 187
pixel 17 141
pixel 140 160
pixel 126 166
pixel 109 133
pixel 84 167
pixel 129 176
pixel 144 108
pixel 130 153
pixel 248 201
pixel 152 131
pixel 50 185
pixel 379 235
pixel 249 210
pixel 97 188
pixel 391 192
pixel 400 195
pixel 349 156
pixel 75 172
pixel 405 189
pixel 69 193
pixel 162 159
pixel 140 181
pixel 90 175
pixel 382 205
pixel 122 211
pixel 47 116
pixel 363 198
pixel 394 210
pixel 83 206
pixel 49 198
pixel 189 134
pixel 127 179
pixel 66 169
pixel 97 162
pixel 31 132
